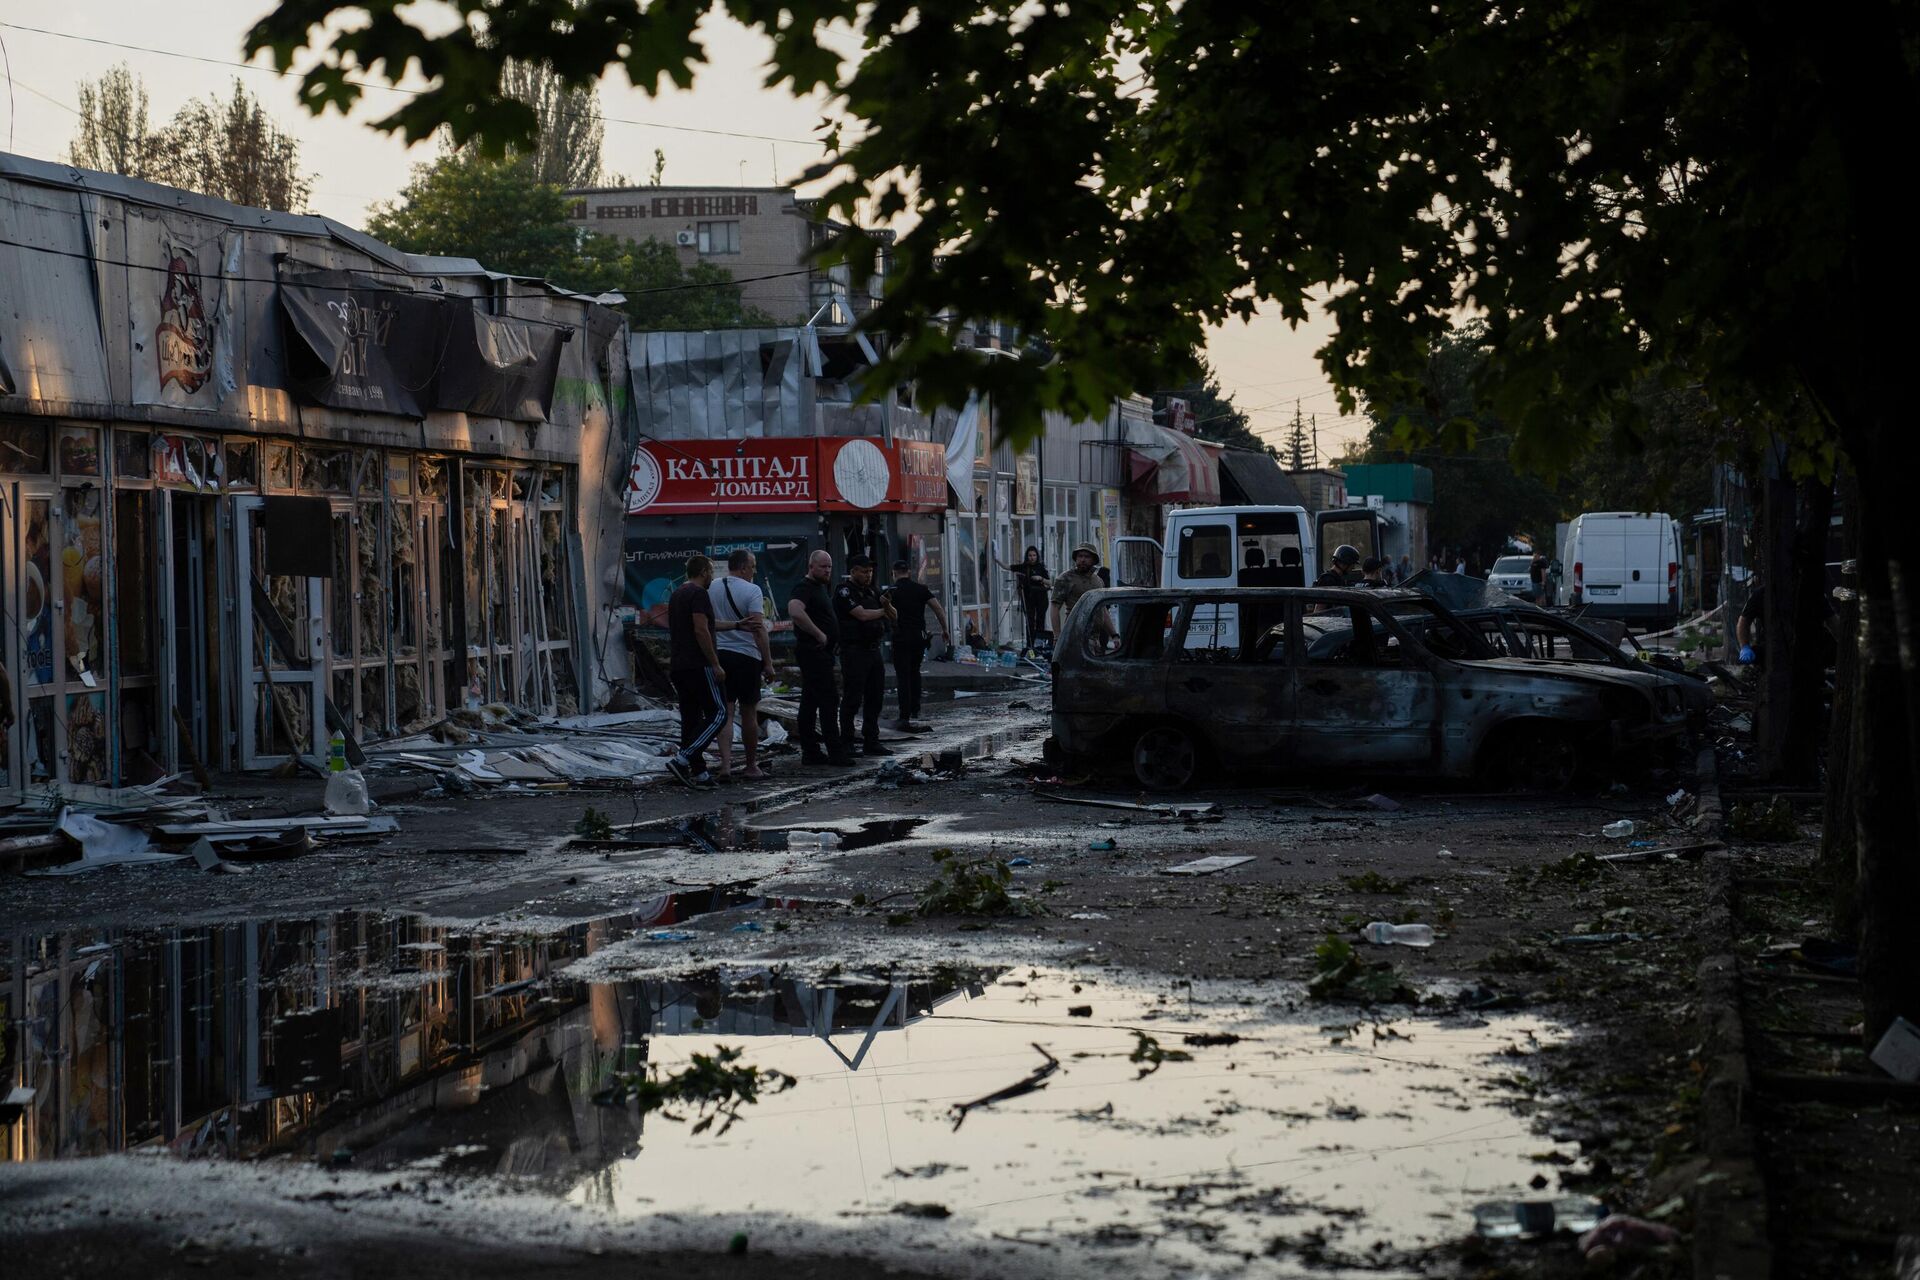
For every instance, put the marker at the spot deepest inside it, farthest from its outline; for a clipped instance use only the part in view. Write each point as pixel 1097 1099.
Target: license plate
pixel 1603 591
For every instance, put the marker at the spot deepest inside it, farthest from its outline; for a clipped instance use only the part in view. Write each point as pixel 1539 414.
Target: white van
pixel 1625 565
pixel 1242 547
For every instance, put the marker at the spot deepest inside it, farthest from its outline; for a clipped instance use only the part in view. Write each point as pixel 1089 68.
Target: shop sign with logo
pixel 675 477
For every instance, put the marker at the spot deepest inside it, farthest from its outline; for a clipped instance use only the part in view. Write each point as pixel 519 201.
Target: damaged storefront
pixel 265 480
pixel 755 439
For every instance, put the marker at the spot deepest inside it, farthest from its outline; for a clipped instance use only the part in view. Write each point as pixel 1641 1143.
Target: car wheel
pixel 1165 758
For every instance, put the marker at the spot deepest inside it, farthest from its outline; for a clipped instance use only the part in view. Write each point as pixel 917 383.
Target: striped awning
pixel 1170 466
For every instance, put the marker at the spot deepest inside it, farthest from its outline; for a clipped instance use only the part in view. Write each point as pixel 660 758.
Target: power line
pixel 392 88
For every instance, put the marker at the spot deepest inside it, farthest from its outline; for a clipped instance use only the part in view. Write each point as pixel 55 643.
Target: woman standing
pixel 1030 576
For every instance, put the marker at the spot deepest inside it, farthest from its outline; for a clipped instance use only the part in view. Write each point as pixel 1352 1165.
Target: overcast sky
pixel 180 48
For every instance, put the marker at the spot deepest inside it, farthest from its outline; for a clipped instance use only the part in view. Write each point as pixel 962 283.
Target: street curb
pixel 1730 1201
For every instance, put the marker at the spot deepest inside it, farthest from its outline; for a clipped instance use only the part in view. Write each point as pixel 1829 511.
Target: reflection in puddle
pixel 1187 1120
pixel 1339 1148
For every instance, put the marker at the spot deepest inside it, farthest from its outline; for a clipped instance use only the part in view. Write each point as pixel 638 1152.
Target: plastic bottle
pixel 1382 934
pixel 1617 830
pixel 346 789
pixel 813 839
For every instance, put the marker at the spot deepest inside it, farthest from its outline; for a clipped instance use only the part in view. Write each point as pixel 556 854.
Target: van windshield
pixel 1513 564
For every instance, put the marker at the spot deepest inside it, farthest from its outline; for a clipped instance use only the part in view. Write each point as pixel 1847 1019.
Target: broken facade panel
pixel 154 417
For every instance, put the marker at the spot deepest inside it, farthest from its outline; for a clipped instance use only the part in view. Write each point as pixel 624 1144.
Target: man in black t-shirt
pixel 816 630
pixel 910 601
pixel 695 668
pixel 863 623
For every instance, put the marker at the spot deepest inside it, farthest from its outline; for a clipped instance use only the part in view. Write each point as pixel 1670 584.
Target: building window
pixel 719 237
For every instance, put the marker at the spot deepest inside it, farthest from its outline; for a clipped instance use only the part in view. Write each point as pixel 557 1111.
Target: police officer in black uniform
pixel 863 619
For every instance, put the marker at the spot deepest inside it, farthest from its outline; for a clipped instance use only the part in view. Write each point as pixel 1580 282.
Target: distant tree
pixel 1298 448
pixel 232 150
pixel 570 130
pixel 1480 498
pixel 113 136
pixel 497 211
pixel 1215 415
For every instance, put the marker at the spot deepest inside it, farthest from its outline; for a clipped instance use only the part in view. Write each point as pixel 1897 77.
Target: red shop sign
pixel 923 476
pixel 674 477
pixel 858 474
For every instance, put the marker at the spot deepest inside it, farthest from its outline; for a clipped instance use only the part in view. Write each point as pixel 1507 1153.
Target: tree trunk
pixel 1838 839
pixel 1773 688
pixel 1810 643
pixel 1886 815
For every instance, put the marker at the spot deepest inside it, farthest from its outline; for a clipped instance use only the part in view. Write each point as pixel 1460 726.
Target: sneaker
pixel 702 781
pixel 680 769
pixel 815 757
pixel 900 725
pixel 844 759
pixel 906 727
pixel 876 749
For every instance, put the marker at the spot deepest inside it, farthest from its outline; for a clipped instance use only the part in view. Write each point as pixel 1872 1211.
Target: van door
pixel 1356 527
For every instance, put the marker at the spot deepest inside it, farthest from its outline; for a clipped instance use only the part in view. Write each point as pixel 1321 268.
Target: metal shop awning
pixel 1255 479
pixel 1167 466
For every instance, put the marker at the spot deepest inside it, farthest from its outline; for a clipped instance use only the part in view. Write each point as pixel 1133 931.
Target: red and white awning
pixel 1170 466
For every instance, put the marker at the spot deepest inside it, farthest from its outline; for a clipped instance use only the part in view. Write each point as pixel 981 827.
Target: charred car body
pixel 1517 628
pixel 1181 683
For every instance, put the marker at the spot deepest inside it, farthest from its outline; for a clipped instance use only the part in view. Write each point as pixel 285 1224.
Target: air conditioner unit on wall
pixel 685 239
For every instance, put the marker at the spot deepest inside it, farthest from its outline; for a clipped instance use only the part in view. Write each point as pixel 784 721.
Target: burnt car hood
pixel 1587 673
pixel 1461 593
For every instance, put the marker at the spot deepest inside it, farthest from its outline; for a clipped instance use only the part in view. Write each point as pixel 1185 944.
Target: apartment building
pixel 760 234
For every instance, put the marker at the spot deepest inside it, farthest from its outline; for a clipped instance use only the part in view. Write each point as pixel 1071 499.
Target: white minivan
pixel 1625 565
pixel 1241 547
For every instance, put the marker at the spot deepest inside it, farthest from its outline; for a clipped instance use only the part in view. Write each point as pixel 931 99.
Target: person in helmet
pixel 1075 582
pixel 1346 561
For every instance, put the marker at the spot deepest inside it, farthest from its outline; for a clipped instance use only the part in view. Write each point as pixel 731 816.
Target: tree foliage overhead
pixel 498 212
pixel 1117 174
pixel 230 149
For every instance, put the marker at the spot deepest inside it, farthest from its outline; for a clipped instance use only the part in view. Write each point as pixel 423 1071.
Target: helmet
pixel 1088 547
pixel 1345 554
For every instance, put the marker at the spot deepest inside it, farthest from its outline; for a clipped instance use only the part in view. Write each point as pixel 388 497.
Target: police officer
pixel 1346 560
pixel 816 627
pixel 863 619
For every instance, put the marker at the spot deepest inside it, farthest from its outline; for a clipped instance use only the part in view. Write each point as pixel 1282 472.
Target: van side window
pixel 1206 551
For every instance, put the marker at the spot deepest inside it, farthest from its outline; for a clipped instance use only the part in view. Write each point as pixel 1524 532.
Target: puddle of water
pixel 379 1041
pixel 1344 1149
pixel 725 831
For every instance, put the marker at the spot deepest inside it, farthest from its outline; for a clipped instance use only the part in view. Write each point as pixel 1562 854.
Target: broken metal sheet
pixel 572 764
pixel 319 824
pixel 513 768
pixel 1205 866
pixel 103 844
pixel 1183 812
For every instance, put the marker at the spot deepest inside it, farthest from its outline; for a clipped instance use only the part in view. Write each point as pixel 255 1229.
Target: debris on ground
pixel 1764 822
pixel 1898 1053
pixel 1343 974
pixel 1206 866
pixel 1620 1235
pixel 1035 1081
pixel 1183 812
pixel 1518 1219
pixel 973 887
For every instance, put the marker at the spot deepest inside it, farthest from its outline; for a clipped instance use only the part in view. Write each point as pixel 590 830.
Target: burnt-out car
pixel 1517 628
pixel 1178 686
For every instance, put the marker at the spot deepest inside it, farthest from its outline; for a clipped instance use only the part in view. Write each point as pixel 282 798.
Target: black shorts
pixel 743 677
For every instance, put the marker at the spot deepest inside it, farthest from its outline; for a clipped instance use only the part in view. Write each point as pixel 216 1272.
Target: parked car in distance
pixel 1626 565
pixel 1512 574
pixel 1329 678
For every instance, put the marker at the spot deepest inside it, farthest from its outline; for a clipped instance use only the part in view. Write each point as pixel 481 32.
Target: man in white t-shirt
pixel 745 656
